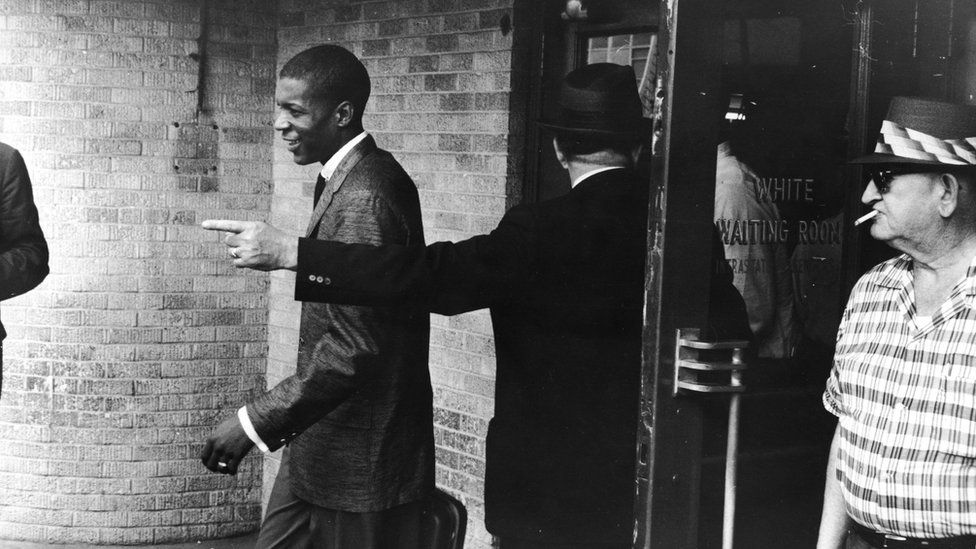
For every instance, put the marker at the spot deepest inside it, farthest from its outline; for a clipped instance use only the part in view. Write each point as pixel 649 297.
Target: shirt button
pixel 326 281
pixel 311 278
pixel 899 406
pixel 318 279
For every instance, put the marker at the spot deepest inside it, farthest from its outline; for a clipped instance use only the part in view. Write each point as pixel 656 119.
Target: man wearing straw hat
pixel 564 282
pixel 902 465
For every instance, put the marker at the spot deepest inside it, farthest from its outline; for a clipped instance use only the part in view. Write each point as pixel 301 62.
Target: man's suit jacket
pixel 564 282
pixel 359 404
pixel 23 250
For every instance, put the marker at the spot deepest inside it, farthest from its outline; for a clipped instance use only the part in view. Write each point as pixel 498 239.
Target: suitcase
pixel 444 522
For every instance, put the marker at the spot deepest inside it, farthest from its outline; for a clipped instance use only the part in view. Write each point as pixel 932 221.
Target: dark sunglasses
pixel 883 177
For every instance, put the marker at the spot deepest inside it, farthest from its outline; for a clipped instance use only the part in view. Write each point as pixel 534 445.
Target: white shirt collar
pixel 330 166
pixel 590 173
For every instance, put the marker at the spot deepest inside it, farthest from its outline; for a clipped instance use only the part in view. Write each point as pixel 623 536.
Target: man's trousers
pixel 292 523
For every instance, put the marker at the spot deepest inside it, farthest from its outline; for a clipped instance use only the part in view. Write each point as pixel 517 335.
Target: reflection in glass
pixel 636 50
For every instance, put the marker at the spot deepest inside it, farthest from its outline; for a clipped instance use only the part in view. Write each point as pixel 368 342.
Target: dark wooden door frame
pixel 860 99
pixel 537 39
pixel 680 221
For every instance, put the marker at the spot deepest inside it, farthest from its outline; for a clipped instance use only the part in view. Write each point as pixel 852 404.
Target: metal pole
pixel 731 457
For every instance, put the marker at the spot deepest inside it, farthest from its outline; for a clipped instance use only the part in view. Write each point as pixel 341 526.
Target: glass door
pixel 762 103
pixel 779 189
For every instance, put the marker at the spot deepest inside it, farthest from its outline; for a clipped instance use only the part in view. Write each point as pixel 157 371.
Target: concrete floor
pixel 241 542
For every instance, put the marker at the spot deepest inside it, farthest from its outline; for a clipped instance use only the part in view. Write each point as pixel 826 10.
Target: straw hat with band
pixel 925 132
pixel 601 98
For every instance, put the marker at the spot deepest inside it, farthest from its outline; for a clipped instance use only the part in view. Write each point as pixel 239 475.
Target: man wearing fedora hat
pixel 902 465
pixel 563 280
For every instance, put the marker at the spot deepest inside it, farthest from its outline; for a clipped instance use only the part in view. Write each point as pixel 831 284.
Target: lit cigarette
pixel 865 217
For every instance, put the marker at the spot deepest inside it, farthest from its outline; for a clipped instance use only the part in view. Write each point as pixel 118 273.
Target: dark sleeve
pixel 23 250
pixel 444 277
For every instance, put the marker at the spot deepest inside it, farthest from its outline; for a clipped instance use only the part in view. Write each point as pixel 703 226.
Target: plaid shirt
pixel 906 399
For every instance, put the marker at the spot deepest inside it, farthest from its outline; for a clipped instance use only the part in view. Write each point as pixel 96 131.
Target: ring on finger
pixel 233 252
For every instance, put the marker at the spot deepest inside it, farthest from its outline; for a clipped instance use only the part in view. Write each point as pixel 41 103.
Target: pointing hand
pixel 257 245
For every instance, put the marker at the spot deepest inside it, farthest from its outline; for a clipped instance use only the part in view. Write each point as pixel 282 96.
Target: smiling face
pixel 307 125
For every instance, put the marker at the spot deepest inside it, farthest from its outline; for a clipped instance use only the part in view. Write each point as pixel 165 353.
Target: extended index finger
pixel 229 225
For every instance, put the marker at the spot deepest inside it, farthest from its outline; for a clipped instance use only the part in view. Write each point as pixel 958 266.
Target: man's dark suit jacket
pixel 564 282
pixel 23 250
pixel 359 405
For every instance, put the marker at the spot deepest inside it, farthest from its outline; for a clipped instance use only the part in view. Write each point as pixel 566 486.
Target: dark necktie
pixel 319 187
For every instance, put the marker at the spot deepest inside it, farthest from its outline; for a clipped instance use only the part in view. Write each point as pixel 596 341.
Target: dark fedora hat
pixel 601 98
pixel 925 131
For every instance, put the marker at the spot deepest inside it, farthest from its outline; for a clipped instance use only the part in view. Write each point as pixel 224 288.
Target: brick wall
pixel 441 72
pixel 119 364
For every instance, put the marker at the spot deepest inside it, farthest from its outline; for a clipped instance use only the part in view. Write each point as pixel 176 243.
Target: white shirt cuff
pixel 249 429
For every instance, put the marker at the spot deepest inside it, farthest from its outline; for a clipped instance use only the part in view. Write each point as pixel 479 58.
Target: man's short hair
pixel 573 144
pixel 332 72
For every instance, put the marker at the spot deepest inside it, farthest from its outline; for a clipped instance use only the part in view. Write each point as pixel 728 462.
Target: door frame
pixel 669 443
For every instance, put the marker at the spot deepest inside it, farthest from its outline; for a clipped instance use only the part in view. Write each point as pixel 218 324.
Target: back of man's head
pixel 333 73
pixel 596 148
pixel 598 116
